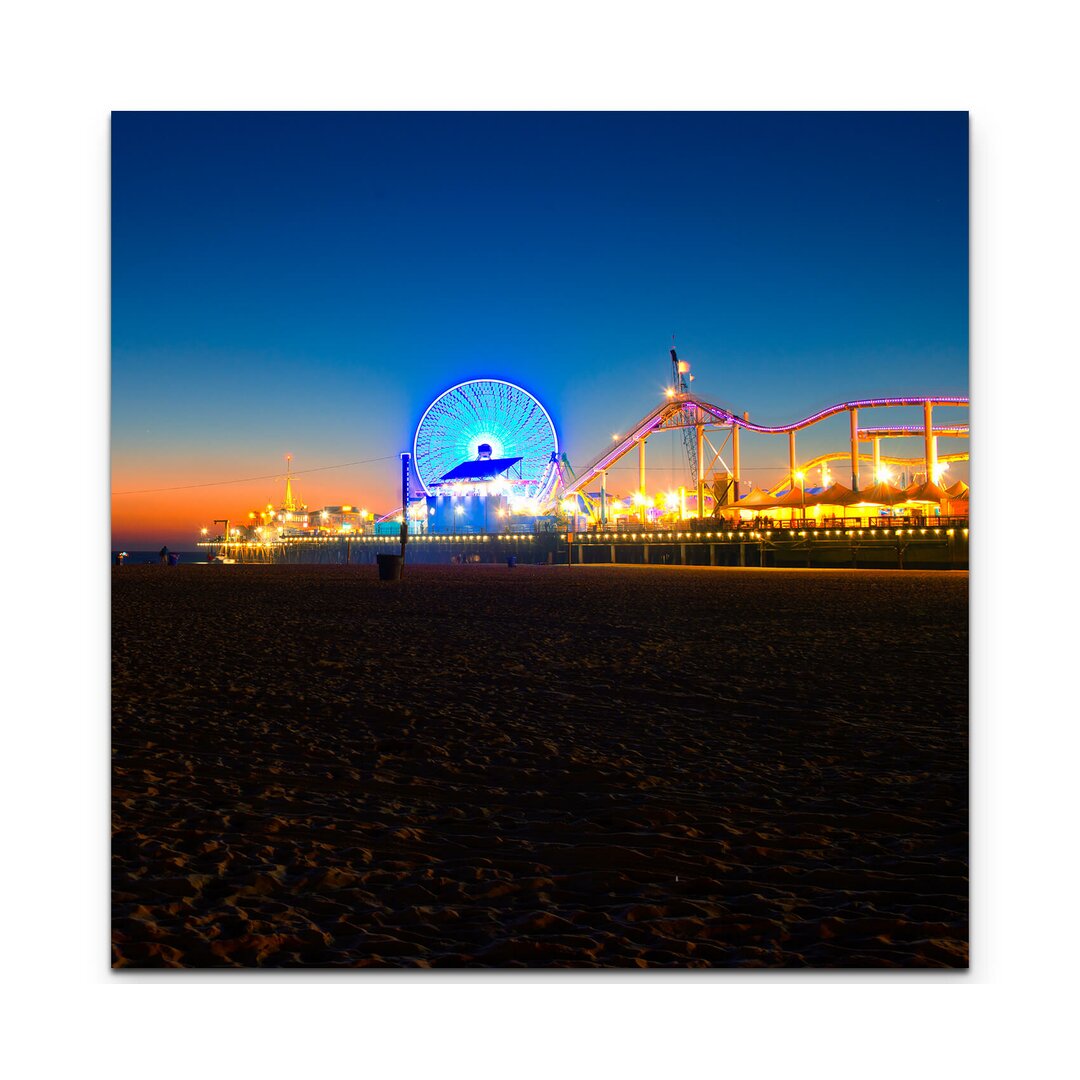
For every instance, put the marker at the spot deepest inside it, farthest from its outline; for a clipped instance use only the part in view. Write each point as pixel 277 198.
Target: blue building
pixel 473 497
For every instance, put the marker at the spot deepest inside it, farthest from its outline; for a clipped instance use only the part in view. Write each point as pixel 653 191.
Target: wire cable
pixel 252 479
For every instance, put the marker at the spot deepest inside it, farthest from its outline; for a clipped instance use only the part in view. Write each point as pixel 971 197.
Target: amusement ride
pixel 488 438
pixel 487 457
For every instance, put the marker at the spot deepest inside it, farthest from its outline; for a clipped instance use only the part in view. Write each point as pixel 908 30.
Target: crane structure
pixel 680 385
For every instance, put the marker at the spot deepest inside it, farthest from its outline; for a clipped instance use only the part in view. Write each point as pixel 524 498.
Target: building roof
pixel 483 469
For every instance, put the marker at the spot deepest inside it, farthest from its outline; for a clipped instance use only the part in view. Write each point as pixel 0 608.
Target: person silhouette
pixel 163 556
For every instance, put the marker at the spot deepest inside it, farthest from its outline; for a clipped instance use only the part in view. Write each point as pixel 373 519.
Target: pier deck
pixel 934 543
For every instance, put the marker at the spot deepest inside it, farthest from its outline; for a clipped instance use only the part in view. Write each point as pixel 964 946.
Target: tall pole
pixel 791 459
pixel 931 444
pixel 404 502
pixel 700 473
pixel 854 449
pixel 603 496
pixel 641 475
pixel 877 459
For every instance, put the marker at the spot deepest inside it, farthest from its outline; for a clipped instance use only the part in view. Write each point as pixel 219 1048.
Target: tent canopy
pixel 831 496
pixel 881 494
pixel 756 499
pixel 927 492
pixel 794 499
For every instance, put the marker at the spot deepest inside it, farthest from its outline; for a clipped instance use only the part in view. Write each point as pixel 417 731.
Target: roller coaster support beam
pixel 700 472
pixel 791 460
pixel 733 490
pixel 877 460
pixel 931 441
pixel 603 498
pixel 641 475
pixel 854 449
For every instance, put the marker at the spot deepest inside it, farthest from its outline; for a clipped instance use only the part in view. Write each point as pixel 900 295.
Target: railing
pixel 694 528
pixel 688 530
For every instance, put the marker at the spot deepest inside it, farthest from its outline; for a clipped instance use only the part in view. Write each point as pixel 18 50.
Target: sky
pixel 307 283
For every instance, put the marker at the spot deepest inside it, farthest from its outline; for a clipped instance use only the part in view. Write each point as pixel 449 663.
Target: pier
pixel 941 544
pixel 872 543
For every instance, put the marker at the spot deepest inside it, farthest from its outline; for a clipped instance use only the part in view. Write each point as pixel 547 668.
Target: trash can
pixel 511 561
pixel 389 567
pixel 173 558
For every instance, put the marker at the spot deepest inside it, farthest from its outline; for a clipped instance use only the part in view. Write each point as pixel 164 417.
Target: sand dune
pixel 540 766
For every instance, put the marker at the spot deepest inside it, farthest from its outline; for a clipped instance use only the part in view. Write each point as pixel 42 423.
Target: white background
pixel 63 67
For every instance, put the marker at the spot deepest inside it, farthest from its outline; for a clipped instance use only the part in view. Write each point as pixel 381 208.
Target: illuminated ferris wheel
pixel 493 414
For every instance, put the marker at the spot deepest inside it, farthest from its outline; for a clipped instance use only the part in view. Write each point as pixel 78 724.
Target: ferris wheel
pixel 499 414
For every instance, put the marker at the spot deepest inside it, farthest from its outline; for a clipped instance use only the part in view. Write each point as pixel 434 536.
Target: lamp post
pixel 405 494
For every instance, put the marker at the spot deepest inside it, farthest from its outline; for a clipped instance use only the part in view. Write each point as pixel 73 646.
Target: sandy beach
pixel 485 767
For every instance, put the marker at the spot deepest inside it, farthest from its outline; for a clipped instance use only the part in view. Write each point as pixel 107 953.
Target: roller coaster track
pixel 686 410
pixel 884 459
pixel 726 417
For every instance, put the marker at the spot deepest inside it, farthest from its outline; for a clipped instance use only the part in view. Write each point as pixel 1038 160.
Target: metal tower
pixel 680 383
pixel 290 503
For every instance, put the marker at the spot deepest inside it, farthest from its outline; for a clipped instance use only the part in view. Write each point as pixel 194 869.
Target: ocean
pixel 135 558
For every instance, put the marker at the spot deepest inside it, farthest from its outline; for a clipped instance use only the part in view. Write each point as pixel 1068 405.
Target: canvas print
pixel 539 540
